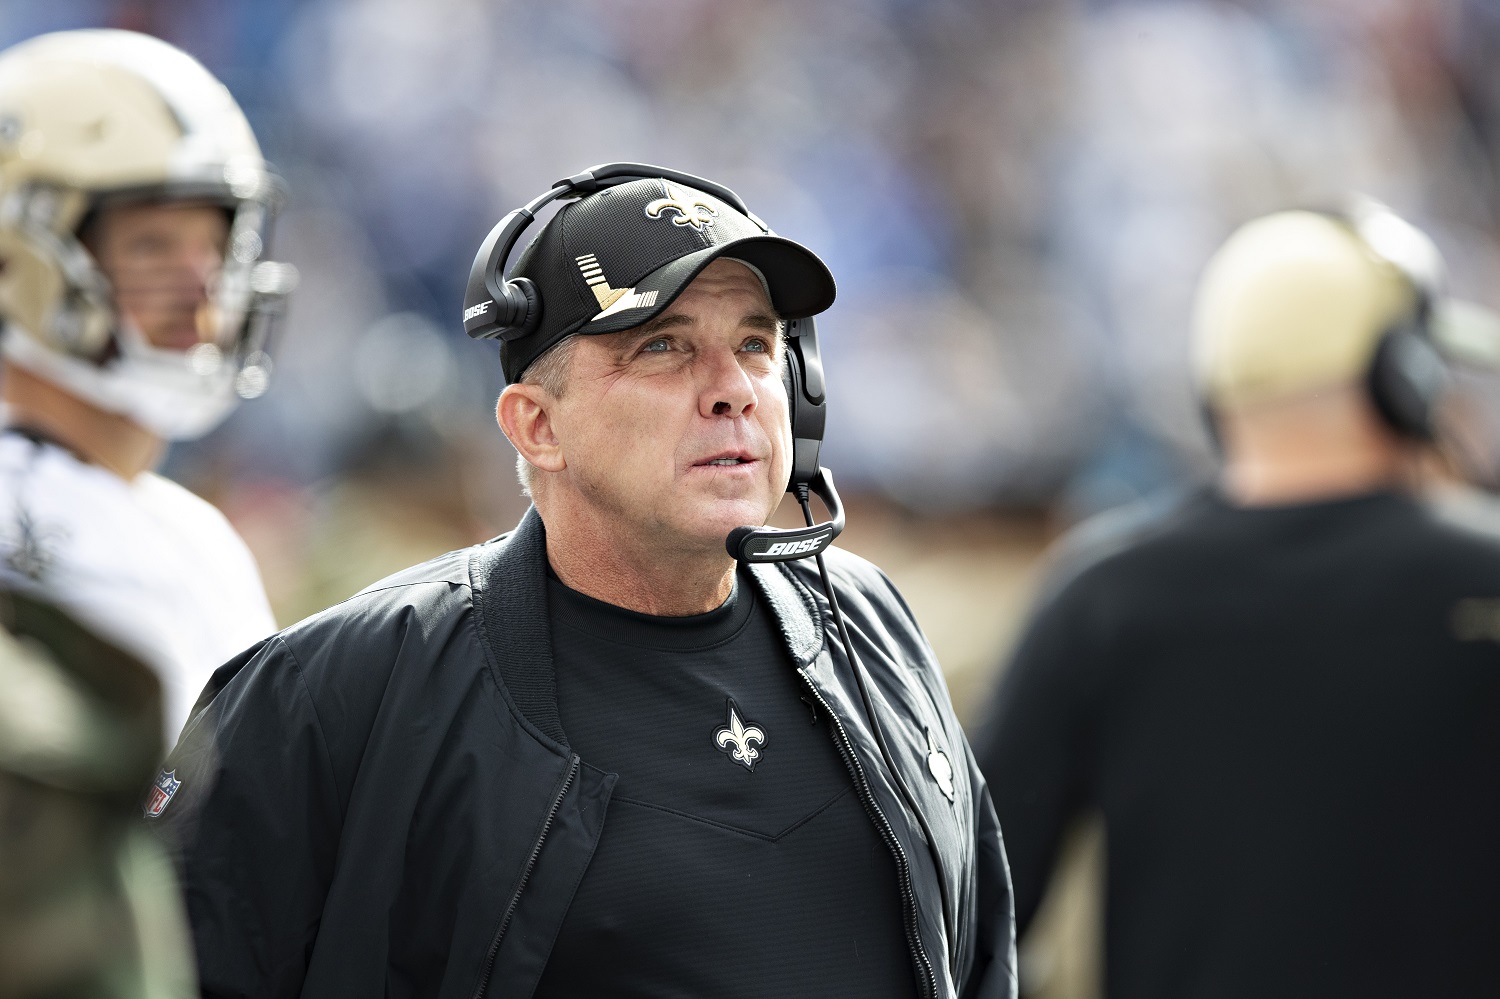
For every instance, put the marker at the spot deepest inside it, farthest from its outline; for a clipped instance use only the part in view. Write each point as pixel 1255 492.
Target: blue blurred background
pixel 1016 199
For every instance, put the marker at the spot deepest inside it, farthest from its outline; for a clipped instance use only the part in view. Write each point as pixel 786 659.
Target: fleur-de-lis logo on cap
pixel 736 737
pixel 693 211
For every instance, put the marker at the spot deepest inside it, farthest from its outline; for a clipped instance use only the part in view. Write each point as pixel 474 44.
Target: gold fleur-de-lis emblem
pixel 690 211
pixel 736 738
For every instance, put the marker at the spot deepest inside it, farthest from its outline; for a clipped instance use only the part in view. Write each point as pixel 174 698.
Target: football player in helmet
pixel 136 307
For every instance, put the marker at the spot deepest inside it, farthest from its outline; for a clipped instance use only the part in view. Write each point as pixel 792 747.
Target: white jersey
pixel 146 563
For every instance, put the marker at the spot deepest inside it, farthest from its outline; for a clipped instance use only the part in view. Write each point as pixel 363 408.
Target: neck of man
pixel 593 555
pixel 102 438
pixel 1323 445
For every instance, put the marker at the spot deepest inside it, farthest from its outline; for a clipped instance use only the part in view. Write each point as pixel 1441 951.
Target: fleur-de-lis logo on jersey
pixel 736 738
pixel 31 550
pixel 693 211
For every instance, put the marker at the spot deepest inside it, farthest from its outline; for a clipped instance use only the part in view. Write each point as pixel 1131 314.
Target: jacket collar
pixel 508 577
pixel 794 608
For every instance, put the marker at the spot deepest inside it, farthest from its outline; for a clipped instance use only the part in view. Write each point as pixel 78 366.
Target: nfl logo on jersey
pixel 161 793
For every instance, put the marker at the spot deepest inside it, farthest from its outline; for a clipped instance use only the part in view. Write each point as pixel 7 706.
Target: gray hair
pixel 550 373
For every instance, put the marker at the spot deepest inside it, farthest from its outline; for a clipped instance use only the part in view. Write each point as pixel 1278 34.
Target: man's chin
pixel 721 517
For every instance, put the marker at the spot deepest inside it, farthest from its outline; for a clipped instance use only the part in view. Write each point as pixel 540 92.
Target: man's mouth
pixel 726 460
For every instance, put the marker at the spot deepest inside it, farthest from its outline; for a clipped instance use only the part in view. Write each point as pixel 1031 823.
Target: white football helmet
pixel 96 117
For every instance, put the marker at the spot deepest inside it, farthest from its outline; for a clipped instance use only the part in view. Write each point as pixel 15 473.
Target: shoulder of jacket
pixel 451 568
pixel 435 588
pixel 845 569
pixel 1109 537
pixel 859 583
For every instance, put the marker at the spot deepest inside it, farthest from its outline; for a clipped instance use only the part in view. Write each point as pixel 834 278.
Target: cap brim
pixel 799 283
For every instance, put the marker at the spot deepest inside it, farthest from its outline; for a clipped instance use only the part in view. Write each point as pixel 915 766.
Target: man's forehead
pixel 164 213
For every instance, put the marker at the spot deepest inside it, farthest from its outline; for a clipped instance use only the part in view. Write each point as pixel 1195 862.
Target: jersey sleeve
pixel 253 824
pixel 1032 743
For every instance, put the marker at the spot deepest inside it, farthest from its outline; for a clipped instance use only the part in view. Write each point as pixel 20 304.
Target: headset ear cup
pixel 1407 375
pixel 519 309
pixel 807 410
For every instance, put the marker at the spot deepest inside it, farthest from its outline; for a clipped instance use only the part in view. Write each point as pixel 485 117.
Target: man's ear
pixel 525 417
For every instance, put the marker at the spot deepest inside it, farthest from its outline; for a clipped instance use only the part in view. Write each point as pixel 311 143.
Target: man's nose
pixel 727 390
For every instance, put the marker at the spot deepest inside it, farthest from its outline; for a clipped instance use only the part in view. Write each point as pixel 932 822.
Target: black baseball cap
pixel 618 257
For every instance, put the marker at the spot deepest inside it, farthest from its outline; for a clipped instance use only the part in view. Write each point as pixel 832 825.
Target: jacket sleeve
pixel 994 975
pixel 1032 745
pixel 254 825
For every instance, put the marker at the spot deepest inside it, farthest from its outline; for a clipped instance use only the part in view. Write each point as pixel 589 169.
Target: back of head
pixel 95 118
pixel 1315 352
pixel 1294 302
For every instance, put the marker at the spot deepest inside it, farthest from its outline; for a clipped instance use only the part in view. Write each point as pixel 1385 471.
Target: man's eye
pixel 658 345
pixel 757 346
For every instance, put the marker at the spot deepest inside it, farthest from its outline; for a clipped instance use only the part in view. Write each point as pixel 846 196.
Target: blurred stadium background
pixel 1016 198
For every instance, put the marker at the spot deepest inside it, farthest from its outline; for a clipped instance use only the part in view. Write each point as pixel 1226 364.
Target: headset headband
pixel 510 312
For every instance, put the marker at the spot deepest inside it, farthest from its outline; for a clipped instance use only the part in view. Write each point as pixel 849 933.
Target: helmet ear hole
pixel 82 325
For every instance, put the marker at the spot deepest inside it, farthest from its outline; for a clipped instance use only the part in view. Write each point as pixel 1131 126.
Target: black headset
pixel 1407 374
pixel 510 308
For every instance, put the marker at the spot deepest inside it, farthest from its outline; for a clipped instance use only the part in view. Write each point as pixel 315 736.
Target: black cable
pixel 864 695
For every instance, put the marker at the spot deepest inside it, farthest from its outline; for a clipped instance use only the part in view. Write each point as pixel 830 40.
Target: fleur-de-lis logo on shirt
pixel 690 211
pixel 736 738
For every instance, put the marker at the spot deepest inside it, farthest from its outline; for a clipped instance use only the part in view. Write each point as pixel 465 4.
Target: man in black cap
pixel 598 756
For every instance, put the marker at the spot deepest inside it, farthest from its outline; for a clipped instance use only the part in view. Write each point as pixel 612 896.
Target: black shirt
pixel 1289 718
pixel 736 859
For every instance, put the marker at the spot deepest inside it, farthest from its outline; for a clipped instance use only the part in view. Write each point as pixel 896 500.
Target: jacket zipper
pixel 515 899
pixel 903 867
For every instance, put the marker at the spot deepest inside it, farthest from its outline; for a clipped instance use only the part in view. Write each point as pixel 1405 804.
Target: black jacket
pixel 381 799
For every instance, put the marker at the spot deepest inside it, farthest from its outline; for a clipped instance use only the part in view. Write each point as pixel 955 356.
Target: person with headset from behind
pixel 1279 693
pixel 642 744
pixel 134 210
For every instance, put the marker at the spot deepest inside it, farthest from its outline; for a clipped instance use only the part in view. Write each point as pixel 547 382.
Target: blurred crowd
pixel 1015 198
